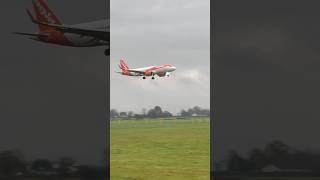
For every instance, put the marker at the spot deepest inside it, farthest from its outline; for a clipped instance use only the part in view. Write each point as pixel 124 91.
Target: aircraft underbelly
pixel 83 41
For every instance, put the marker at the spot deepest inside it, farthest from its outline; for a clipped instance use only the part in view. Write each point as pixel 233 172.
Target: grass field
pixel 283 178
pixel 160 149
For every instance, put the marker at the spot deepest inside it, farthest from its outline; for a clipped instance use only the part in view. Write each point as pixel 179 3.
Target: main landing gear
pixel 145 77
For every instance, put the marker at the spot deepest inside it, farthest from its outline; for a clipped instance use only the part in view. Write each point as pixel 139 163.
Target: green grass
pixel 160 149
pixel 284 178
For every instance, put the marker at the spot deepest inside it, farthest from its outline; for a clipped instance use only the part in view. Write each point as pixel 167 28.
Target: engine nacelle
pixel 164 74
pixel 161 74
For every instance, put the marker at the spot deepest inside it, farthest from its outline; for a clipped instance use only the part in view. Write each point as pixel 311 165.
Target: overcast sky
pixel 153 32
pixel 266 74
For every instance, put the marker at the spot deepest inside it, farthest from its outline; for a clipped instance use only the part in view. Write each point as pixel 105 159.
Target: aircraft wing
pixel 138 72
pixel 103 35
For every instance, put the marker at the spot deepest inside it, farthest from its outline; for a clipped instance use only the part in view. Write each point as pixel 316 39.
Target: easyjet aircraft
pixel 161 70
pixel 52 30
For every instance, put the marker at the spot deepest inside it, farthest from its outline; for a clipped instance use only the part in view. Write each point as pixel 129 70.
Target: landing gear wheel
pixel 107 52
pixel 143 77
pixel 152 77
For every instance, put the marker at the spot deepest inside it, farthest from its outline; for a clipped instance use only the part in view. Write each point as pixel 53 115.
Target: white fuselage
pixel 88 41
pixel 85 41
pixel 161 70
pixel 77 40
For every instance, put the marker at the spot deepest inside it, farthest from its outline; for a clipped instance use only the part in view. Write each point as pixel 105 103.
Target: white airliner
pixel 52 30
pixel 160 70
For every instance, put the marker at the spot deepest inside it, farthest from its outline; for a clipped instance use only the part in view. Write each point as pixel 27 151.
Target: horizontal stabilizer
pixel 29 34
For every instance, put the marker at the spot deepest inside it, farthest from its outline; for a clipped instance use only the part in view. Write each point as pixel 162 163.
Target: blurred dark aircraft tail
pixel 44 15
pixel 123 66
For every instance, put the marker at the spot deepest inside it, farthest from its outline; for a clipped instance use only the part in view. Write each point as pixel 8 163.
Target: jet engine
pixel 164 74
pixel 161 74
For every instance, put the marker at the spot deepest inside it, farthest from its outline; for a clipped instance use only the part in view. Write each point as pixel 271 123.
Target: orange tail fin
pixel 123 65
pixel 44 14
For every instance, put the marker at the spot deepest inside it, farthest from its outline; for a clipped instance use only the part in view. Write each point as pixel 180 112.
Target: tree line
pixel 157 112
pixel 276 154
pixel 13 164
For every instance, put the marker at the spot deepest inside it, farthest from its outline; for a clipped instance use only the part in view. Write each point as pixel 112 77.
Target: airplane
pixel 52 30
pixel 160 70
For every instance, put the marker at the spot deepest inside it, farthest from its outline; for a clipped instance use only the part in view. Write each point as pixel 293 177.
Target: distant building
pixel 199 115
pixel 274 169
pixel 271 168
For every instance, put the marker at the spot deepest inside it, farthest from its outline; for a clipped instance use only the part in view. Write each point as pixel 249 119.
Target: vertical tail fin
pixel 123 65
pixel 44 14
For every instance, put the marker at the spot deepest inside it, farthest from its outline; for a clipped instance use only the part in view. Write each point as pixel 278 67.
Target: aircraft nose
pixel 173 68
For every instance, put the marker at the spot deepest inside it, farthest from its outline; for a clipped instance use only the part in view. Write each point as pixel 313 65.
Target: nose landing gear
pixel 152 74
